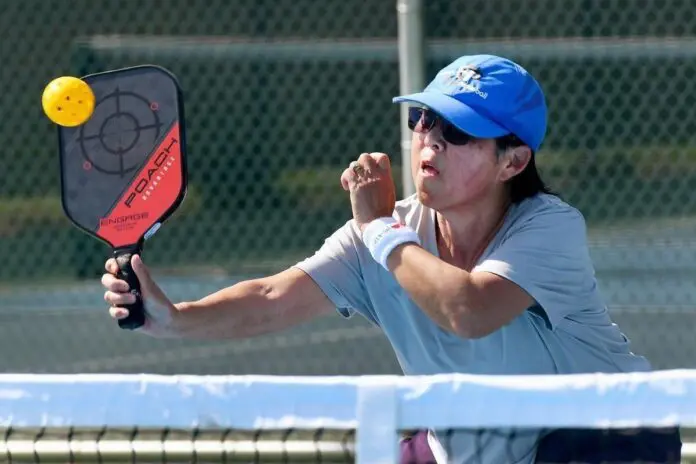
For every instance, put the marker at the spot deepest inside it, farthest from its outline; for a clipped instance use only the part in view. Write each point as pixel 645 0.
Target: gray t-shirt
pixel 542 247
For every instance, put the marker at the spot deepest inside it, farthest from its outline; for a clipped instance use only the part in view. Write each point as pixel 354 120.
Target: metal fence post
pixel 411 74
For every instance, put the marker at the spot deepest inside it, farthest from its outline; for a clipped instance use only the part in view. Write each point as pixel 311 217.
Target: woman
pixel 482 271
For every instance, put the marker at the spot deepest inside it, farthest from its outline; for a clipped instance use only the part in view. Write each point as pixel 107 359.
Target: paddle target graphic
pixel 122 123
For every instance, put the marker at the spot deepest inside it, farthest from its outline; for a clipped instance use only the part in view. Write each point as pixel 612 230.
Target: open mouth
pixel 428 169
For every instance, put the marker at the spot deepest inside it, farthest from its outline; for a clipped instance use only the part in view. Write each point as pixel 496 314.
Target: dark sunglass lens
pixel 414 116
pixel 453 135
pixel 429 119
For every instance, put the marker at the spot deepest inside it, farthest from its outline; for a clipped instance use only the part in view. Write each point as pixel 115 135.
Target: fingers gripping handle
pixel 136 311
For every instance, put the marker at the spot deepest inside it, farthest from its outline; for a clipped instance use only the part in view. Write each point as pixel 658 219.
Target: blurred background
pixel 280 95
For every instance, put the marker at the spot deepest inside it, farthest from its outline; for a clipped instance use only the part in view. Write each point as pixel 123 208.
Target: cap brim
pixel 457 113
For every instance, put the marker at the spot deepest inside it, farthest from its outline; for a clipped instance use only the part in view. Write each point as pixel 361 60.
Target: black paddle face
pixel 123 172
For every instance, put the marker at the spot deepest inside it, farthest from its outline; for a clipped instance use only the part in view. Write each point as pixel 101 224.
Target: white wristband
pixel 382 235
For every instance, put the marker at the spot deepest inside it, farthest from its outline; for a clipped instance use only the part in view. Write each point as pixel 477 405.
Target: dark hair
pixel 527 183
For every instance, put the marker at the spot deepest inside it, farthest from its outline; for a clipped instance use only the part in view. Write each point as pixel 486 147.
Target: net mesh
pixel 280 96
pixel 546 419
pixel 111 445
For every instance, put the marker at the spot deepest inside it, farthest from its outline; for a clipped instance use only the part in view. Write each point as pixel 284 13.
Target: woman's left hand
pixel 372 190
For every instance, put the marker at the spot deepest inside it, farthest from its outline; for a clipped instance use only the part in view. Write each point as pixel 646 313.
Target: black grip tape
pixel 136 311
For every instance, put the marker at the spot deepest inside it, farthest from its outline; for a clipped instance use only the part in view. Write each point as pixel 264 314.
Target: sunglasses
pixel 427 120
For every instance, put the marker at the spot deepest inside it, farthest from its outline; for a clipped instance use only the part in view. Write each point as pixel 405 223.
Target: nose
pixel 433 138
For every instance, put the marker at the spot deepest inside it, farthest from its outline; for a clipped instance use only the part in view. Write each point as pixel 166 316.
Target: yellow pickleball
pixel 68 101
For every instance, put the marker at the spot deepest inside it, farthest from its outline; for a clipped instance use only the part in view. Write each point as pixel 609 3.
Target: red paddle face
pixel 148 198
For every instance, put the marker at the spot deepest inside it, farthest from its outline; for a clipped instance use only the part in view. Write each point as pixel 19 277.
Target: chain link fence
pixel 280 95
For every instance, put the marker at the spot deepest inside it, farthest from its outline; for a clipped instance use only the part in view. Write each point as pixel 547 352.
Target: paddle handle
pixel 136 311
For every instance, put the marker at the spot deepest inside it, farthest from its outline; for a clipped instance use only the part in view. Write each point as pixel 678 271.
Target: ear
pixel 514 161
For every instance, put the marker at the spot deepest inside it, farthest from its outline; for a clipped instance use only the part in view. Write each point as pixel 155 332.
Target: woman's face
pixel 448 175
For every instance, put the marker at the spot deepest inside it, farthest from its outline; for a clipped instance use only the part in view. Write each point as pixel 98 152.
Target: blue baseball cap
pixel 487 96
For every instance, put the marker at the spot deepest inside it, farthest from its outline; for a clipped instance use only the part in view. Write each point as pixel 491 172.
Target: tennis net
pixel 214 419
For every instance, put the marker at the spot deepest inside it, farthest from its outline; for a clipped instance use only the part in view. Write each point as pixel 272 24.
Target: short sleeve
pixel 547 256
pixel 337 268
